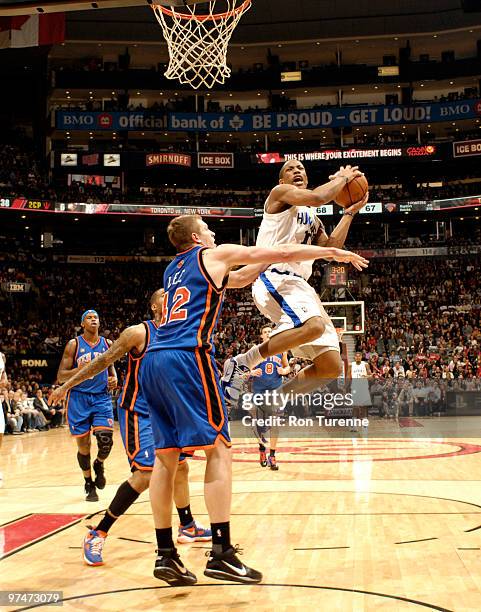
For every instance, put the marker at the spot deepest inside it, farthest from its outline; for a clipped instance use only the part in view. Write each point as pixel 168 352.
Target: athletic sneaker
pixel 193 532
pixel 232 380
pixel 92 546
pixel 100 481
pixel 170 568
pixel 263 458
pixel 272 463
pixel 227 566
pixel 91 492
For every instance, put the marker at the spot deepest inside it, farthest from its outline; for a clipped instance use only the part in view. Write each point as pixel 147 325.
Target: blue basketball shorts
pixel 136 432
pixel 89 411
pixel 138 441
pixel 186 402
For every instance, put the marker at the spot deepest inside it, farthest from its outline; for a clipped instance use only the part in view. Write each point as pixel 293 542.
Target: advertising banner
pixel 215 160
pixel 356 154
pixel 15 287
pixel 7 203
pixel 173 159
pixel 322 117
pixel 467 148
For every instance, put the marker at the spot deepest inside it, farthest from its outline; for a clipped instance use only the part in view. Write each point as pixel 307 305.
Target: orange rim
pixel 216 17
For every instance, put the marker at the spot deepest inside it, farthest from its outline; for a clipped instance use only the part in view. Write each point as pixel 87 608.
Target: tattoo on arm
pixel 104 361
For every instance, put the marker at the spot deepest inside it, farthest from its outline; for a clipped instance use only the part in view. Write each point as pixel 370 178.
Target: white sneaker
pixel 233 379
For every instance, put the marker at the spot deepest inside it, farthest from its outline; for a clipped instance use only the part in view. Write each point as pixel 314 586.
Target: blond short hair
pixel 180 231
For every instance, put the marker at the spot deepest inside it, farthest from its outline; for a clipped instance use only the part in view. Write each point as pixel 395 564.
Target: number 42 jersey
pixel 191 306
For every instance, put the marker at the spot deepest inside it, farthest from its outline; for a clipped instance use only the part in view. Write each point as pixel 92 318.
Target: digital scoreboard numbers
pixel 336 275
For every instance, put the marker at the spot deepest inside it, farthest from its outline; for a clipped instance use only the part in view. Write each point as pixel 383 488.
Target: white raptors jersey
pixel 297 224
pixel 358 370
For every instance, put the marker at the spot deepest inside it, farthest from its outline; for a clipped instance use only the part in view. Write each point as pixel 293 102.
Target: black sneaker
pixel 91 492
pixel 272 463
pixel 227 566
pixel 100 481
pixel 170 568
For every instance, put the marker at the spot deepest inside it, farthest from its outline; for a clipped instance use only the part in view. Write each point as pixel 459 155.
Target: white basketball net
pixel 198 43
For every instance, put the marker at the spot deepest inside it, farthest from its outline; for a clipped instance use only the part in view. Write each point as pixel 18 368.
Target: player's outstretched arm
pixel 294 196
pixel 245 276
pixel 230 255
pixel 131 337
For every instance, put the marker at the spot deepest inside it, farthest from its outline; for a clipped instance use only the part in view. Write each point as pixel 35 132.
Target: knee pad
pixel 84 462
pixel 105 441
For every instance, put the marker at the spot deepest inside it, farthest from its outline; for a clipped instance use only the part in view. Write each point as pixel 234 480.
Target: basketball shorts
pixel 289 301
pixel 360 392
pixel 138 441
pixel 86 411
pixel 185 399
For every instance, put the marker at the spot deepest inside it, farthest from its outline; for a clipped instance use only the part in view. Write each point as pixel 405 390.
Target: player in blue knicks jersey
pixel 136 432
pixel 265 378
pixel 181 383
pixel 89 404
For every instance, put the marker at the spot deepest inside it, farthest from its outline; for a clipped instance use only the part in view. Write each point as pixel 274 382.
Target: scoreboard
pixel 336 275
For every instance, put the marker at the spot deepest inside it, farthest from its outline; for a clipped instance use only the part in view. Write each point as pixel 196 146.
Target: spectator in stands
pixel 13 418
pixel 33 418
pixel 52 416
pixel 398 370
pixel 405 399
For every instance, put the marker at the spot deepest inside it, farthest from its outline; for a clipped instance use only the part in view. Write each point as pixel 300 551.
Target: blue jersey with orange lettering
pixel 86 353
pixel 191 307
pixel 270 378
pixel 132 398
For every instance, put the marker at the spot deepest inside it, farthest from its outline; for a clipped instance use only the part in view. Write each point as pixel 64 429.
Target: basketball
pixel 352 192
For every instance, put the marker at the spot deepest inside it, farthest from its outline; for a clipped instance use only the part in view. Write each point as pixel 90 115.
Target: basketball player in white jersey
pixel 282 292
pixel 359 373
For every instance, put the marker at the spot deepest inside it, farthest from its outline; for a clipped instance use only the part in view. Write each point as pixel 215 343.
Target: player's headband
pixel 87 312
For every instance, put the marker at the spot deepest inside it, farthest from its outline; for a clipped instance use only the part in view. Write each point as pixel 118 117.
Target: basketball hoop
pixel 198 42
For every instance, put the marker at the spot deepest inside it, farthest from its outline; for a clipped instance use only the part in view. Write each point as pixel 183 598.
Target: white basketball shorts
pixel 289 301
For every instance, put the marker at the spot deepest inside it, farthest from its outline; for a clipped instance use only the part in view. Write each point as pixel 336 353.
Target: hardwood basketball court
pixel 385 523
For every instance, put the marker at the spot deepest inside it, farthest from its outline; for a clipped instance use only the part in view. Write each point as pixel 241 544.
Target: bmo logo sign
pixel 76 120
pixel 84 121
pixel 105 121
pixel 215 160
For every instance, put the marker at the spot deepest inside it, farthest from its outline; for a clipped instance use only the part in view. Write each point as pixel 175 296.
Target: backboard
pixel 348 316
